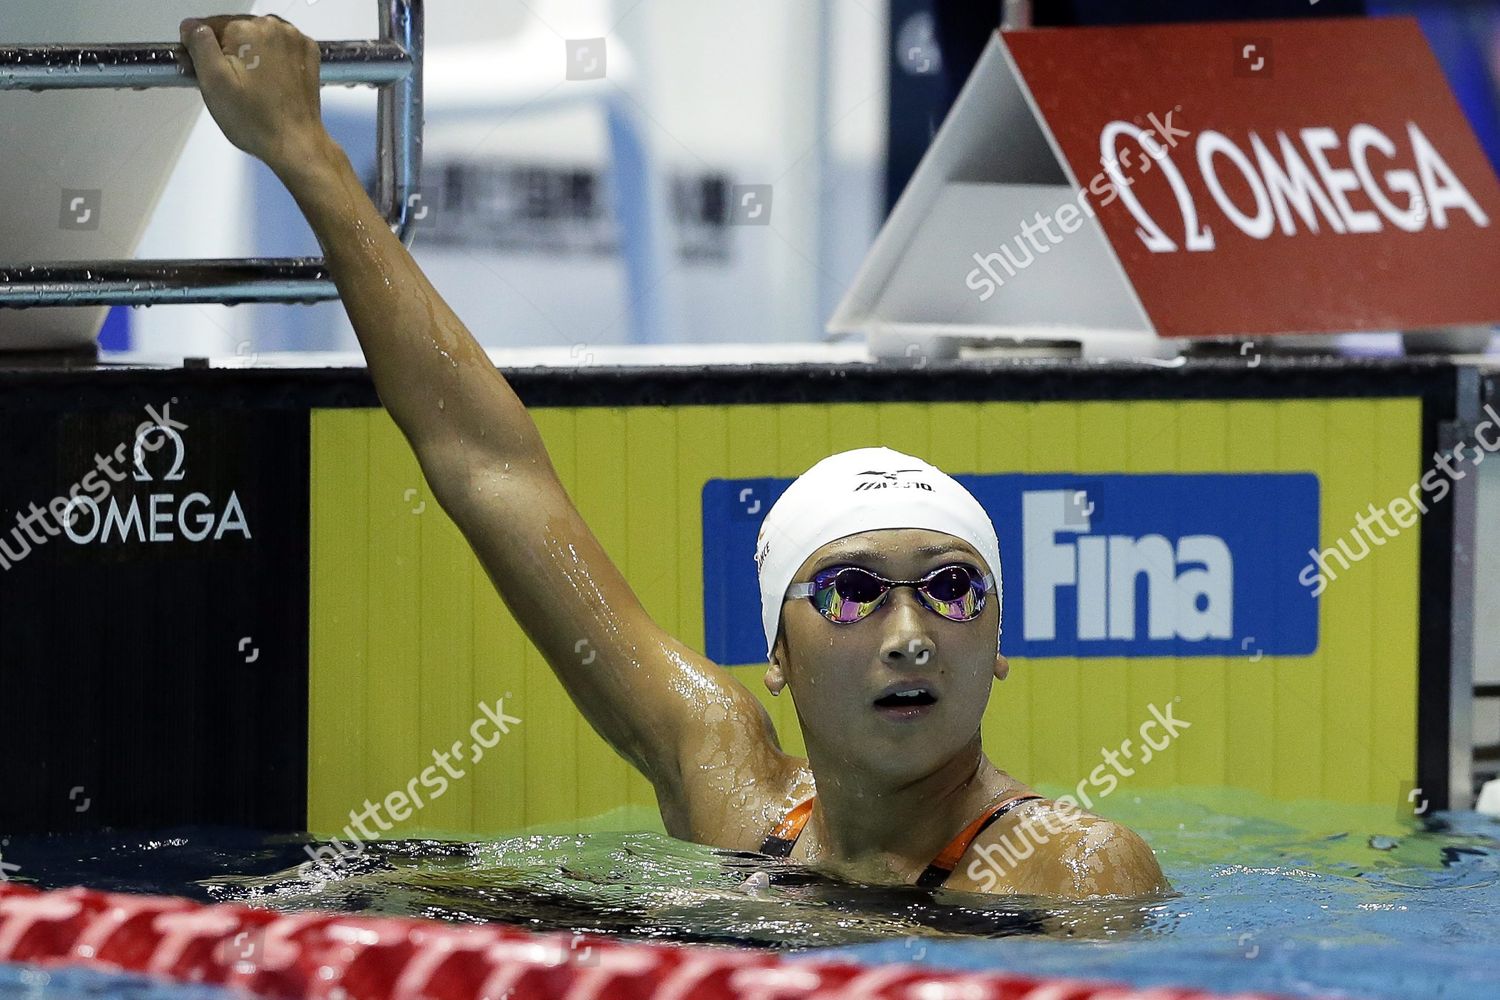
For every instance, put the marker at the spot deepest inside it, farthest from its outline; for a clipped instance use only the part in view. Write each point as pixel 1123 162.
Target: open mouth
pixel 906 701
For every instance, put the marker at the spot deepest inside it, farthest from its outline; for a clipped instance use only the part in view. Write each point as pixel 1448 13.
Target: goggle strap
pixel 797 591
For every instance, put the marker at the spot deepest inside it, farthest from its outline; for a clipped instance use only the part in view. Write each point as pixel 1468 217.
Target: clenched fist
pixel 259 78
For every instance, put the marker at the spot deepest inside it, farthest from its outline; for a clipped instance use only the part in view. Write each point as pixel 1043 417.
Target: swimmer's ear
pixel 1002 667
pixel 775 679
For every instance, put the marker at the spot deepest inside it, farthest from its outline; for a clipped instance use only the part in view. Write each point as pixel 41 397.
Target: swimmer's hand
pixel 259 79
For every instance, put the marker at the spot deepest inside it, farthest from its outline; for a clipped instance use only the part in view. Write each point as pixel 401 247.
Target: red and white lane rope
pixel 340 957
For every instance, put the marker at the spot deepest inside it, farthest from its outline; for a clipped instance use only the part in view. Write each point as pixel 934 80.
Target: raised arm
pixel 259 78
pixel 646 693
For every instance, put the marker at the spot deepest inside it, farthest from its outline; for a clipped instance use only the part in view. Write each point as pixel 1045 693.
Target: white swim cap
pixel 862 490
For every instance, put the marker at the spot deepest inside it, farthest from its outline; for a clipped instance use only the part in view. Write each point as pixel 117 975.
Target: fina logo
pixel 1189 586
pixel 194 517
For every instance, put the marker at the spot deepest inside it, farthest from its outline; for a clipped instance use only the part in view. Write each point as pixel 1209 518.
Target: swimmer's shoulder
pixel 1051 848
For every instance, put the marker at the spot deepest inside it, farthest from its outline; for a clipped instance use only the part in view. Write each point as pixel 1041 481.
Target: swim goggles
pixel 846 594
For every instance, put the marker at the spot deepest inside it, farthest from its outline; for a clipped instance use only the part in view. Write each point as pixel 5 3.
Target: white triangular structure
pixel 991 167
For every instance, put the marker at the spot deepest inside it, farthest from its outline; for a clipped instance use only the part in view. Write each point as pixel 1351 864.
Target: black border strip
pixel 1435 614
pixel 1026 380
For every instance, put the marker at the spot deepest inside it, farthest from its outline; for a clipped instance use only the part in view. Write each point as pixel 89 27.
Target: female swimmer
pixel 880 579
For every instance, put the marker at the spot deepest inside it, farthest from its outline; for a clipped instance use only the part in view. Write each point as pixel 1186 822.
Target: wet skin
pixel 891 790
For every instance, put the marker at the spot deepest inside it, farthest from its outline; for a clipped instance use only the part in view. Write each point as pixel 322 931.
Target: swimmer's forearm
pixel 430 373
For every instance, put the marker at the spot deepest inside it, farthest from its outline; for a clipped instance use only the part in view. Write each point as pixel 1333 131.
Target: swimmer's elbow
pixel 465 477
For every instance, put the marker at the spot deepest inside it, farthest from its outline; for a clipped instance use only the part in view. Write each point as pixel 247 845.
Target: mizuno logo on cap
pixel 891 479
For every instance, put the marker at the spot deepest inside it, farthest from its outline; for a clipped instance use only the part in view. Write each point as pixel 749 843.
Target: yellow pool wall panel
pixel 407 636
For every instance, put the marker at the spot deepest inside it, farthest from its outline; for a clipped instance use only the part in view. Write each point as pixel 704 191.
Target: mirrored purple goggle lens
pixel 847 594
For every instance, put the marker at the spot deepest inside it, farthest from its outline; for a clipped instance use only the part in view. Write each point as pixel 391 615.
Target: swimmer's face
pixel 841 675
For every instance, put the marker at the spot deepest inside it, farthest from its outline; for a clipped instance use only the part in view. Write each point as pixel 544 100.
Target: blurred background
pixel 602 172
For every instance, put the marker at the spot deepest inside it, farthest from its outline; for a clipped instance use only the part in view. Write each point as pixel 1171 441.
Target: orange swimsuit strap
pixel 783 838
pixel 780 841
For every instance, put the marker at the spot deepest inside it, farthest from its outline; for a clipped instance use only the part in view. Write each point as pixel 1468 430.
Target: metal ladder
pixel 392 63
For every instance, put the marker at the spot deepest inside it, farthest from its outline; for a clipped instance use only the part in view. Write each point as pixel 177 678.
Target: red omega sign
pixel 1274 177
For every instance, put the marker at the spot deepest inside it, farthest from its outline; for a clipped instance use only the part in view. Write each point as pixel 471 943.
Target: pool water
pixel 1306 900
pixel 24 982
